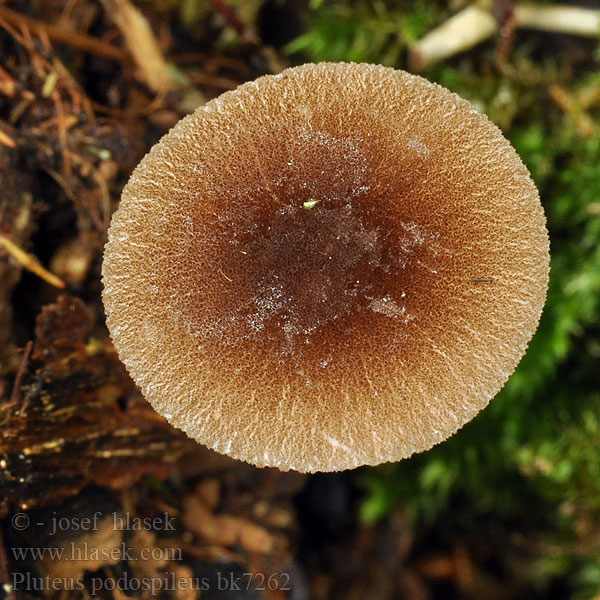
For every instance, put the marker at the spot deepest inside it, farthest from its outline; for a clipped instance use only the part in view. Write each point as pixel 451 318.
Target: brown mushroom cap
pixel 334 266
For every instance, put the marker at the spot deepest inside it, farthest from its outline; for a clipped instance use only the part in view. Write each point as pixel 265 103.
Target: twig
pixel 67 189
pixel 62 132
pixel 142 44
pixel 8 26
pixel 229 15
pixel 476 23
pixel 80 99
pixel 69 122
pixel 507 33
pixel 65 36
pixel 464 30
pixel 104 195
pixel 51 73
pixel 247 35
pixel 14 396
pixel 31 263
pixel 575 20
pixel 67 10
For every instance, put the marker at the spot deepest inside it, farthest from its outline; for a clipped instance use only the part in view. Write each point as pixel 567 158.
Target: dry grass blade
pixel 141 43
pixel 31 263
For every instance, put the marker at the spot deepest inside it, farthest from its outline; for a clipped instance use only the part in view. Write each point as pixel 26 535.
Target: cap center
pixel 311 261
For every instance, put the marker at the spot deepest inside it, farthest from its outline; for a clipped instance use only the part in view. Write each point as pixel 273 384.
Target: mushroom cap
pixel 335 266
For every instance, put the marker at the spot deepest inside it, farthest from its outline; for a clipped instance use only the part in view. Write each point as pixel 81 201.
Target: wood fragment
pixel 76 432
pixel 31 263
pixel 477 23
pixel 461 32
pixel 574 20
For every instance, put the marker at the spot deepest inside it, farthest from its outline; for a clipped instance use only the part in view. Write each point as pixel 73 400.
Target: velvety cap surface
pixel 335 266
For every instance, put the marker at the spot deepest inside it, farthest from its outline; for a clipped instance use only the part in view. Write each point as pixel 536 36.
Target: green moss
pixel 362 31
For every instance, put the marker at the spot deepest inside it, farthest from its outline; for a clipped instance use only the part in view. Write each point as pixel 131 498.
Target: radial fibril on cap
pixel 334 266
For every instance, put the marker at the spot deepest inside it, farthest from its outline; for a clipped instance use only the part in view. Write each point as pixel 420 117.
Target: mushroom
pixel 334 266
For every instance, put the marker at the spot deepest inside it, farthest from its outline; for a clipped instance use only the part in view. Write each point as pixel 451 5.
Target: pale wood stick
pixel 476 23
